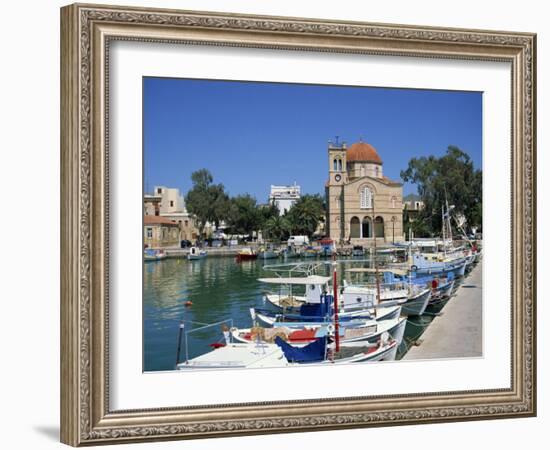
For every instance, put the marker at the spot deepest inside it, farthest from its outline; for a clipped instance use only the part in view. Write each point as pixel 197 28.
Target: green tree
pixel 277 228
pixel 267 212
pixel 244 215
pixel 208 202
pixel 306 214
pixel 451 178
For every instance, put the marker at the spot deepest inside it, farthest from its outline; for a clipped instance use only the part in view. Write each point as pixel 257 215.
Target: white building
pixel 171 200
pixel 284 196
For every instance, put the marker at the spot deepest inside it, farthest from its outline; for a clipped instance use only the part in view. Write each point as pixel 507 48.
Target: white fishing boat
pixel 238 356
pixel 275 318
pixel 268 253
pixel 316 287
pixel 412 298
pixel 196 253
pixel 351 333
pixel 282 354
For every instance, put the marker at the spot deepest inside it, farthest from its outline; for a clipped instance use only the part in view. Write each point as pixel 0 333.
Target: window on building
pixel 171 203
pixel 340 165
pixel 393 202
pixel 149 233
pixel 159 190
pixel 366 198
pixel 335 164
pixel 186 223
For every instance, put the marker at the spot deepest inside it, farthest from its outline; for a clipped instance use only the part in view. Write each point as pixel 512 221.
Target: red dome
pixel 363 152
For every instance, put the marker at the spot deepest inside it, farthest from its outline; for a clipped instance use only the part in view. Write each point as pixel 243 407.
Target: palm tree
pixel 277 228
pixel 305 214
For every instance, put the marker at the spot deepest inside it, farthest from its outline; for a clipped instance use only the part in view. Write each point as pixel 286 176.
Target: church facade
pixel 362 204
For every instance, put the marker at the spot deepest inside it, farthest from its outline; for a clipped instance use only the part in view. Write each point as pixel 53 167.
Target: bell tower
pixel 337 179
pixel 337 163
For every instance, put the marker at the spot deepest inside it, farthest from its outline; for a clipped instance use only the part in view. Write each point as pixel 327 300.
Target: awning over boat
pixel 310 353
pixel 313 279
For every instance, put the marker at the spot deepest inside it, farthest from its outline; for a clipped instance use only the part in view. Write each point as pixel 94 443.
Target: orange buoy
pixel 188 303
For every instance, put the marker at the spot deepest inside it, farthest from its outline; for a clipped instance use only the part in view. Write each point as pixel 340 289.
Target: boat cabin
pixel 315 285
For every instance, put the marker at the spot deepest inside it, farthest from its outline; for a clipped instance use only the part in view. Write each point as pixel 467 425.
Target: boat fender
pixel 330 329
pixel 414 268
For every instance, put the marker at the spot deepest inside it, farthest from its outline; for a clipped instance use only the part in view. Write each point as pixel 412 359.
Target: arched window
pixel 354 228
pixel 340 165
pixel 393 202
pixel 366 198
pixel 366 228
pixel 379 227
pixel 335 164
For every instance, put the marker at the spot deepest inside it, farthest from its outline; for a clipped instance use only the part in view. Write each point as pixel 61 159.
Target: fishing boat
pixel 196 253
pixel 328 247
pixel 430 263
pixel 268 253
pixel 237 356
pixel 310 252
pixel 412 298
pixel 283 354
pixel 302 334
pixel 441 286
pixel 310 316
pixel 316 305
pixel 150 254
pixel 323 351
pixel 246 254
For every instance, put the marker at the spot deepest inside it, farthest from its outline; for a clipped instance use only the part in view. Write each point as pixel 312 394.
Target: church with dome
pixel 362 204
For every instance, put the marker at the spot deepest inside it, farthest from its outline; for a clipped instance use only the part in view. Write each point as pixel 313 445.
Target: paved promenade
pixel 457 332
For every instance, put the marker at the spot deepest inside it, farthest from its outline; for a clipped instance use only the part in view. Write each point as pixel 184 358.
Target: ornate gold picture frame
pixel 87 31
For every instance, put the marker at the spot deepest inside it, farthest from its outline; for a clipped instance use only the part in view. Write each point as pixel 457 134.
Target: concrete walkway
pixel 457 332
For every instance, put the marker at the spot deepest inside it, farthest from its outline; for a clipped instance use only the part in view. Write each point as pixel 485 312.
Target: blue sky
pixel 251 135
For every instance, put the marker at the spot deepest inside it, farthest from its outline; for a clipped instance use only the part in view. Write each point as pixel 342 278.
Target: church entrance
pixel 366 228
pixel 379 226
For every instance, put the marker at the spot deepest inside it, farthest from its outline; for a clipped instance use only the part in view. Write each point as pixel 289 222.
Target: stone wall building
pixel 160 232
pixel 361 202
pixel 169 203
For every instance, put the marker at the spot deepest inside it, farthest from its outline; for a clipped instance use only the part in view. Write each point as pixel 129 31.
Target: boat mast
pixel 335 288
pixel 449 219
pixel 375 262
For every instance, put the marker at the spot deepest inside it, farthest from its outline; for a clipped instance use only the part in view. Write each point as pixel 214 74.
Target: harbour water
pixel 209 291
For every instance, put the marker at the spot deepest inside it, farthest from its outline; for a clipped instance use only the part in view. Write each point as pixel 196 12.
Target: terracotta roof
pixel 158 220
pixel 361 151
